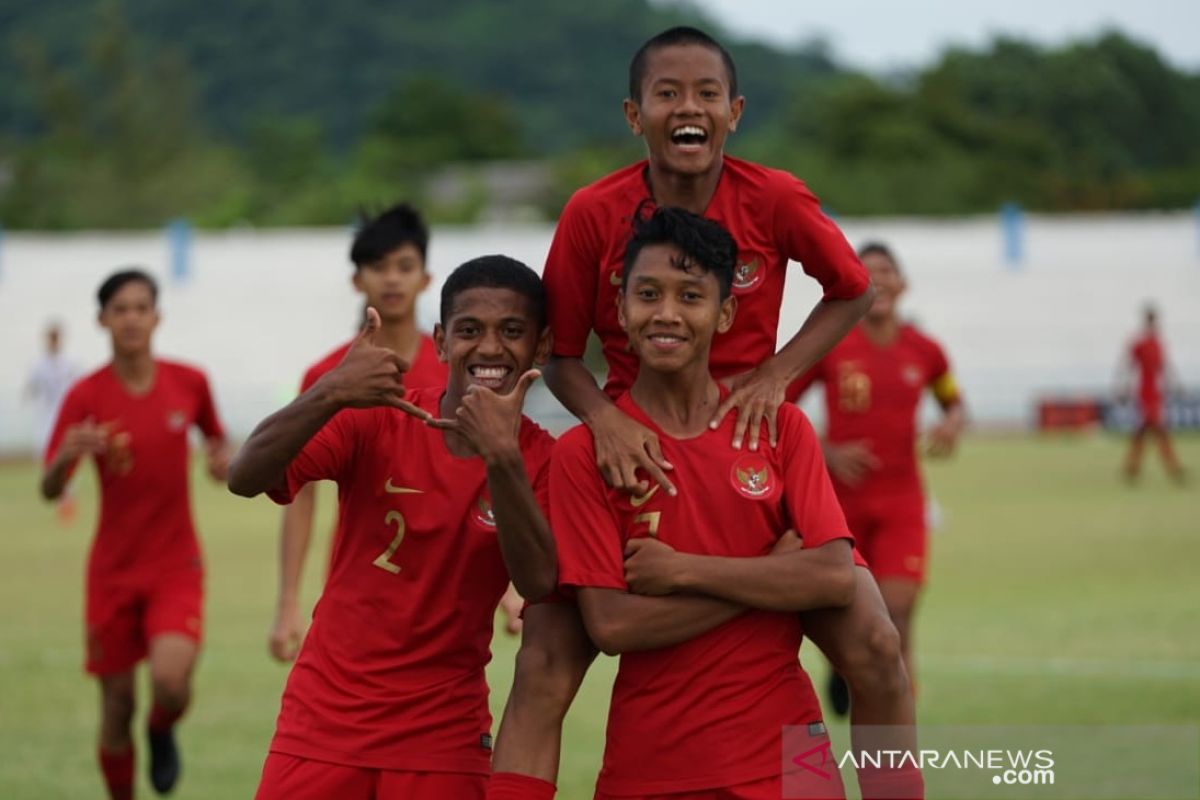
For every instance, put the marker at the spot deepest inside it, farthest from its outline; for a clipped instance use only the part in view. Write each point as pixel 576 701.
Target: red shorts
pixel 797 785
pixel 890 530
pixel 124 617
pixel 287 777
pixel 1151 407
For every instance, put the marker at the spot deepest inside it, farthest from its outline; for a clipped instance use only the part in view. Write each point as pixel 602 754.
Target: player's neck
pixel 883 330
pixel 401 337
pixel 680 403
pixel 134 370
pixel 689 192
pixel 455 443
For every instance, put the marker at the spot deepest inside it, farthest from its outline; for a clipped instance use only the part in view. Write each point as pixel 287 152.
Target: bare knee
pixel 875 664
pixel 172 687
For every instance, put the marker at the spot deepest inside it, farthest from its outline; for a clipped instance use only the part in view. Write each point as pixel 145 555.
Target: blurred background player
pixel 49 380
pixel 144 574
pixel 1148 359
pixel 874 381
pixel 684 102
pixel 708 673
pixel 390 272
pixel 388 697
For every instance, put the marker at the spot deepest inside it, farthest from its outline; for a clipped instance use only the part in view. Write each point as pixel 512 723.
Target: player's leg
pixel 1167 452
pixel 555 655
pixel 115 748
pixel 1133 459
pixel 900 597
pixel 286 777
pixel 393 785
pixel 898 559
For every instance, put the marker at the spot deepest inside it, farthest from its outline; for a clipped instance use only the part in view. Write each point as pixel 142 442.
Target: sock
pixel 511 786
pixel 118 773
pixel 162 720
pixel 904 783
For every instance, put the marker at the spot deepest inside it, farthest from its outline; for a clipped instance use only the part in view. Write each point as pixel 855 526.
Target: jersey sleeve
pixel 941 380
pixel 328 455
pixel 812 506
pixel 206 410
pixel 590 550
pixel 806 235
pixel 572 270
pixel 74 410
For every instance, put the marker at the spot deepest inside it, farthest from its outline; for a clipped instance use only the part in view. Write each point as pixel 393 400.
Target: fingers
pixel 371 325
pixel 655 450
pixel 722 410
pixel 739 429
pixel 527 379
pixel 756 420
pixel 656 475
pixel 442 424
pixel 413 410
pixel 627 478
pixel 773 425
pixel 634 545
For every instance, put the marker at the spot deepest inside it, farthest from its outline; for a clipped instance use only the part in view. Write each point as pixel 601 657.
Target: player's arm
pixel 75 434
pixel 294 536
pixel 368 376
pixel 620 622
pixel 943 437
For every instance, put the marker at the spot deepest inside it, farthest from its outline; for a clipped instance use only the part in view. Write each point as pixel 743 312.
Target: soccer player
pixel 684 102
pixel 708 673
pixel 390 272
pixel 1148 359
pixel 388 696
pixel 874 381
pixel 49 380
pixel 144 576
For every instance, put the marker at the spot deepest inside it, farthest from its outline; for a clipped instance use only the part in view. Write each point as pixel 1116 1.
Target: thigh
pixel 396 785
pixel 175 604
pixel 286 777
pixel 115 640
pixel 900 543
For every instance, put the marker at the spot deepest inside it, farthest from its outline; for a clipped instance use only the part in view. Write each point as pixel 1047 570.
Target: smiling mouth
pixel 489 375
pixel 666 341
pixel 689 136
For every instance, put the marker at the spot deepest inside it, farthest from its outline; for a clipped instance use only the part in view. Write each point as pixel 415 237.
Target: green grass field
pixel 1058 595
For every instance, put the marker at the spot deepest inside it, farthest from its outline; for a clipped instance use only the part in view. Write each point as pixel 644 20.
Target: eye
pixel 692 297
pixel 514 331
pixel 666 94
pixel 710 94
pixel 646 294
pixel 467 331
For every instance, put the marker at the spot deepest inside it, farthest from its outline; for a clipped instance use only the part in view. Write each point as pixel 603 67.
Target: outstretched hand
pixel 490 423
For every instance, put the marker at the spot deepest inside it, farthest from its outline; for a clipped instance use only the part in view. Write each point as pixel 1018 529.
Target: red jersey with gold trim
pixel 145 524
pixel 427 370
pixel 772 216
pixel 1147 354
pixel 872 394
pixel 708 712
pixel 391 672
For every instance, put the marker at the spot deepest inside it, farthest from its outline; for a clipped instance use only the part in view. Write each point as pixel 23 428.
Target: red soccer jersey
pixel 145 521
pixel 1147 354
pixel 772 216
pixel 872 394
pixel 427 370
pixel 391 673
pixel 708 712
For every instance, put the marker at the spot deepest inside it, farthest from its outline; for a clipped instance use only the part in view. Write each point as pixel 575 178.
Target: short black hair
pixel 705 244
pixel 114 282
pixel 679 35
pixel 379 235
pixel 876 248
pixel 495 272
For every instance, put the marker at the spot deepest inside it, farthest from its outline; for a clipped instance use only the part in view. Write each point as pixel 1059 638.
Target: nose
pixel 491 343
pixel 689 103
pixel 667 310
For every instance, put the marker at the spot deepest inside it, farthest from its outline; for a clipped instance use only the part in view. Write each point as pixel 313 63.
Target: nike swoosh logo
pixel 637 501
pixel 390 489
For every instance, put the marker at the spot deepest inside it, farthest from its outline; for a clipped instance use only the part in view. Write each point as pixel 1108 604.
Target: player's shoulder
pixel 325 363
pixel 768 180
pixel 90 382
pixel 608 189
pixel 576 442
pixel 794 425
pixel 536 442
pixel 181 371
pixel 914 336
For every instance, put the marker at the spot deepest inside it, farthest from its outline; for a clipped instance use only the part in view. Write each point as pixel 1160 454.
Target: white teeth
pixel 489 372
pixel 688 130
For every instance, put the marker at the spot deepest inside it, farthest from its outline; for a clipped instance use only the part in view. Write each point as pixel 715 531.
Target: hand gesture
pixel 85 438
pixel 851 462
pixel 490 423
pixel 369 375
pixel 623 446
pixel 757 395
pixel 651 566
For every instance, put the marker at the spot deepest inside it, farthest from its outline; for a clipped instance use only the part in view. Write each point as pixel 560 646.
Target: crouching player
pixel 708 672
pixel 388 697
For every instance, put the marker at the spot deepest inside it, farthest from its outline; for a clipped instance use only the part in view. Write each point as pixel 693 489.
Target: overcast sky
pixel 884 34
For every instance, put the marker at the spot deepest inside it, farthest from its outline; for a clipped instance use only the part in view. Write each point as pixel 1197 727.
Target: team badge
pixel 752 477
pixel 911 374
pixel 176 421
pixel 481 512
pixel 748 273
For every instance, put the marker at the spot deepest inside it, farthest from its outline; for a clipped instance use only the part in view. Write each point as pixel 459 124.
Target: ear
pixel 727 313
pixel 157 319
pixel 633 116
pixel 425 279
pixel 621 309
pixel 545 346
pixel 735 111
pixel 439 343
pixel 100 320
pixel 356 281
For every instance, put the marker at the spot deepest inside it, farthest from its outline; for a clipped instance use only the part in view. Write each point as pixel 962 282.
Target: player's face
pixel 889 284
pixel 392 283
pixel 491 339
pixel 669 314
pixel 130 317
pixel 686 111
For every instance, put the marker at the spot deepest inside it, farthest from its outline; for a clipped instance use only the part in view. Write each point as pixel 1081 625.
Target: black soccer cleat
pixel 839 694
pixel 164 761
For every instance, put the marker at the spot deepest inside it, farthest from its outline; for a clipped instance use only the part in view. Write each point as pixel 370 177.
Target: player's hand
pixel 86 438
pixel 651 566
pixel 757 396
pixel 788 543
pixel 624 446
pixel 489 422
pixel 369 375
pixel 217 455
pixel 943 437
pixel 851 462
pixel 512 604
pixel 286 633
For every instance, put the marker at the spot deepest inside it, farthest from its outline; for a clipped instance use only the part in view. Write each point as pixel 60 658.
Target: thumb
pixel 370 326
pixel 526 380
